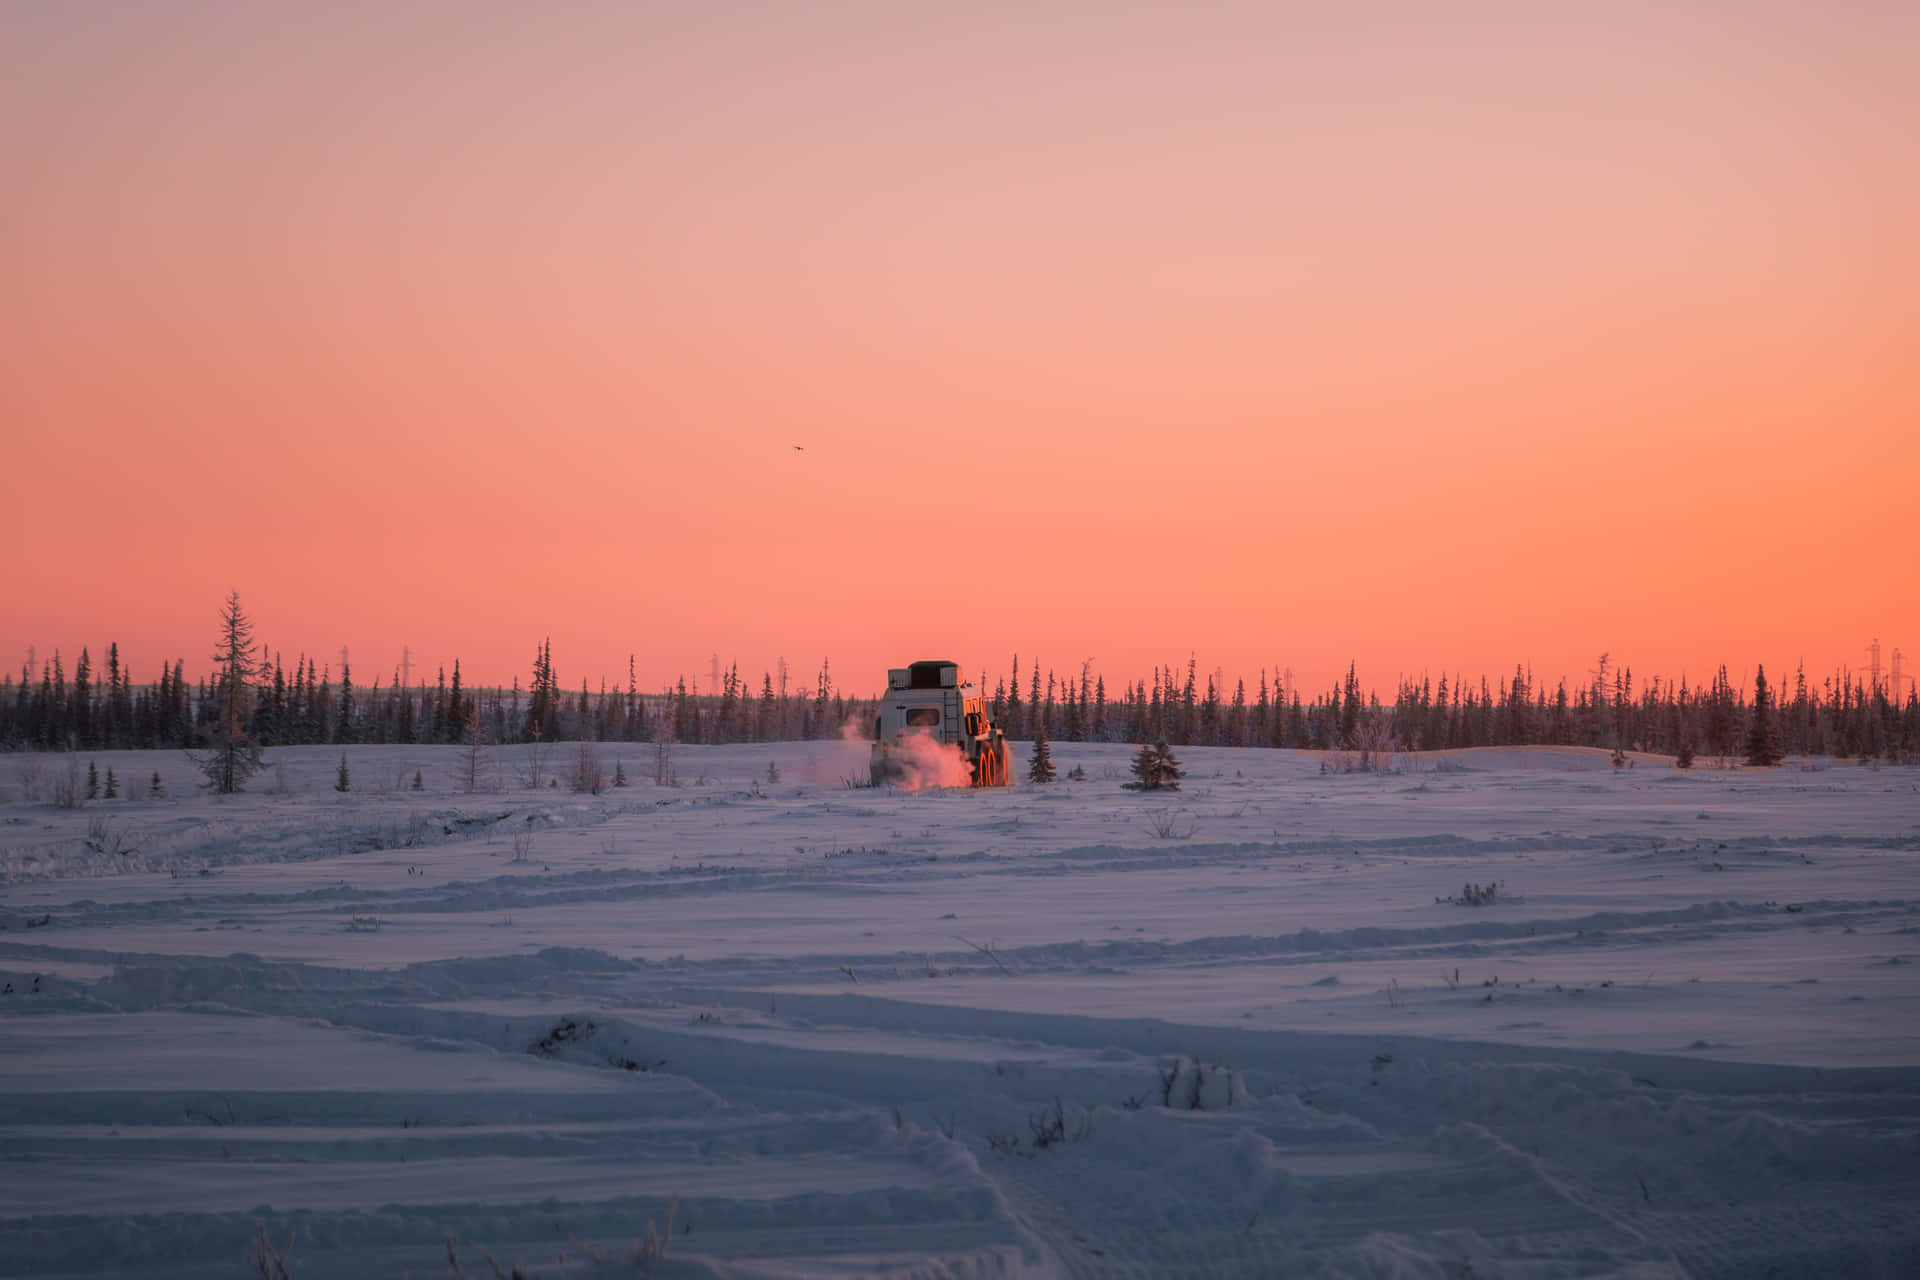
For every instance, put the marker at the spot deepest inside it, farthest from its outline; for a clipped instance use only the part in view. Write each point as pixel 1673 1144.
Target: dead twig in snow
pixel 988 951
pixel 268 1262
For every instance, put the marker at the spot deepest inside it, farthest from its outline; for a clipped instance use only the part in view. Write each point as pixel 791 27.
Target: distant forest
pixel 103 707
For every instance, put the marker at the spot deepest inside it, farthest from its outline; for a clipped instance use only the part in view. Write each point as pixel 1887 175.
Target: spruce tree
pixel 405 730
pixel 113 784
pixel 1041 770
pixel 475 767
pixel 93 781
pixel 234 755
pixel 343 721
pixel 1146 768
pixel 154 789
pixel 457 703
pixel 1156 768
pixel 1763 741
pixel 343 782
pixel 80 717
pixel 1013 699
pixel 1169 769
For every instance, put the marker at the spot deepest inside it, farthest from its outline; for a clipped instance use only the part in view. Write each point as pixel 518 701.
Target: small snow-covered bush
pixel 1474 895
pixel 1189 1084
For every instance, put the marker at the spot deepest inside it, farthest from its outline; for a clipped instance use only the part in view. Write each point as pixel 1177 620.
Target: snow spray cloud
pixel 918 763
pixel 840 760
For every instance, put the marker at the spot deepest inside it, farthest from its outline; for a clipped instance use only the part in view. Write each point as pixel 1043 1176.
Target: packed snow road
pixel 1492 1014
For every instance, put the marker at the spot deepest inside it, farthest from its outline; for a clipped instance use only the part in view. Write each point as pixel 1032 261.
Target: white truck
pixel 934 699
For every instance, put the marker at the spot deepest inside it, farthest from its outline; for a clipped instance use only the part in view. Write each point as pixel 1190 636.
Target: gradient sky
pixel 1431 336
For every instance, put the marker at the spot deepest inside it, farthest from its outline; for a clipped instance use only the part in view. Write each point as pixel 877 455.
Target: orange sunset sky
pixel 1441 336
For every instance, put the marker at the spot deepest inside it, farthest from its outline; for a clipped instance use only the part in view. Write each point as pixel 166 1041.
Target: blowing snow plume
pixel 915 762
pixel 842 759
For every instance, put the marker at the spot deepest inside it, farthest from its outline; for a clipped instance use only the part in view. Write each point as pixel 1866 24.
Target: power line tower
pixel 1873 665
pixel 406 666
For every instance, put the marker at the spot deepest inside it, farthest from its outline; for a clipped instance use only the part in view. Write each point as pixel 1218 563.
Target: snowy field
pixel 1248 1029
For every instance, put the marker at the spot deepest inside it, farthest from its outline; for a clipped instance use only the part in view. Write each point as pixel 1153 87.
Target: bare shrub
pixel 476 767
pixel 104 835
pixel 1374 737
pixel 33 779
pixel 652 1247
pixel 70 786
pixel 534 774
pixel 588 774
pixel 523 845
pixel 1171 824
pixel 1049 1126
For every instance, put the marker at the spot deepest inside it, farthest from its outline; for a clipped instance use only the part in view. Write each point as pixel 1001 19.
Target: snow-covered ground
pixel 1248 1029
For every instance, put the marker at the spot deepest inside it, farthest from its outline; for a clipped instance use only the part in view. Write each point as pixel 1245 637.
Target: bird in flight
pixel 799 448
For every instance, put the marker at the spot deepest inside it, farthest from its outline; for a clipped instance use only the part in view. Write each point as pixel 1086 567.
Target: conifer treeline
pixel 1842 715
pixel 306 703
